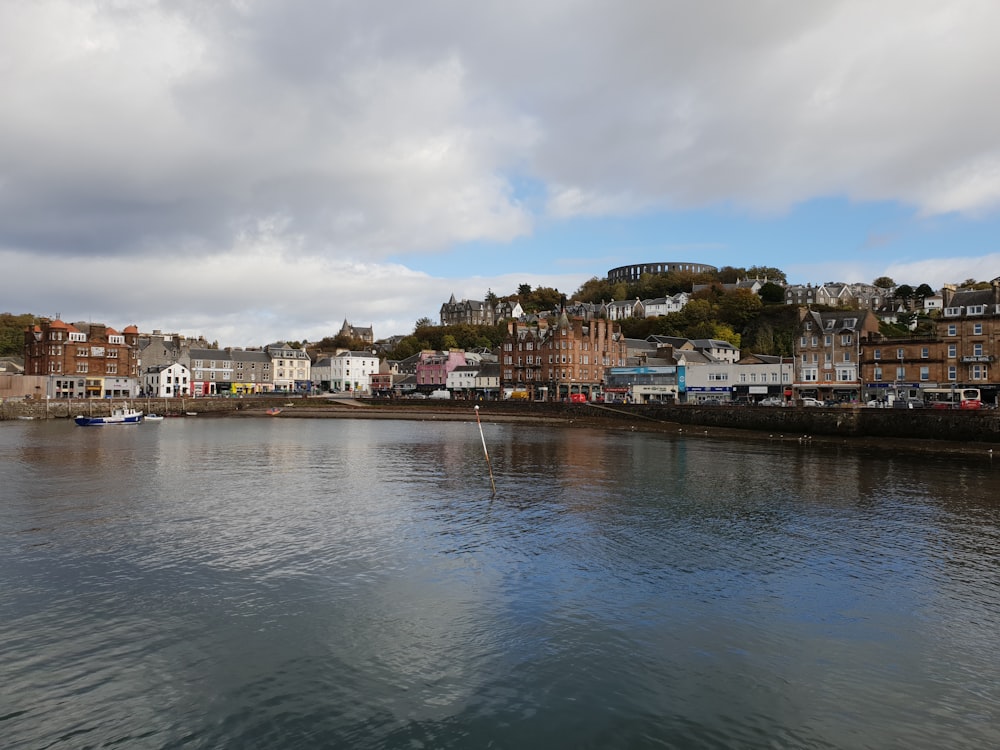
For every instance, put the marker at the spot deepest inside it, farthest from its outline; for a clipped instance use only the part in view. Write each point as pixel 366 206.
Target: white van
pixel 440 394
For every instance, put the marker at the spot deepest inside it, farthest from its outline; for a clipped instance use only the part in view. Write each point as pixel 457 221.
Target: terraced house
pixel 560 359
pixel 83 360
pixel 969 329
pixel 828 353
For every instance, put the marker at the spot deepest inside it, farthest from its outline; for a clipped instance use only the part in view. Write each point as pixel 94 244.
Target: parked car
pixel 810 402
pixel 771 401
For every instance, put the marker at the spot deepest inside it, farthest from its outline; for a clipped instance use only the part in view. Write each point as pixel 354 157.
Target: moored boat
pixel 119 415
pixel 152 418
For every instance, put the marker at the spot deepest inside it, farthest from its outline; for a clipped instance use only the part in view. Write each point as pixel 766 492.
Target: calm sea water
pixel 239 583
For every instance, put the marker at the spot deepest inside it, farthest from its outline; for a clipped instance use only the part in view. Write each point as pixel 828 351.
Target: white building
pixel 463 378
pixel 165 381
pixel 665 305
pixel 352 371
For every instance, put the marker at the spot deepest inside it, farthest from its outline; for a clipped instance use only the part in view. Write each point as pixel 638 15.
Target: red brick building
pixel 83 360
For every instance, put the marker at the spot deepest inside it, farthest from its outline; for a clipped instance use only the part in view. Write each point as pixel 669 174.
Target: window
pixel 847 356
pixel 977 350
pixel 925 373
pixel 952 330
pixel 925 352
pixel 877 374
pixel 900 373
pixel 877 354
pixel 827 340
pixel 977 329
pixel 979 372
pixel 952 351
pixel 900 354
pixel 845 339
pixel 952 372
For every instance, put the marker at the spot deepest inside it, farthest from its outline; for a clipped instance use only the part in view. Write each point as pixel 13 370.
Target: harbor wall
pixel 930 424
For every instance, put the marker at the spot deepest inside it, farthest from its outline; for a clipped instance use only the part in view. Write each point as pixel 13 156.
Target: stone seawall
pixel 929 424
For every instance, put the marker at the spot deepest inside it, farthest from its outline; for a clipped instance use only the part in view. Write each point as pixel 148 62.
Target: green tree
pixel 12 328
pixel 739 307
pixel 767 272
pixel 772 294
pixel 422 323
pixel 884 282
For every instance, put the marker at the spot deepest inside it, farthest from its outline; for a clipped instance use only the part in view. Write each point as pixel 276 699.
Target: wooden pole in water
pixel 485 452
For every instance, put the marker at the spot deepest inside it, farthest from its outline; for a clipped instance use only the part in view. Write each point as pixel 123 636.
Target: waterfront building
pixel 251 371
pixel 83 360
pixel 760 376
pixel 166 381
pixel 351 371
pixel 894 366
pixel 969 328
pixel 560 358
pixel 462 379
pixel 653 381
pixel 828 353
pixel 290 367
pixel 211 371
pixel 432 367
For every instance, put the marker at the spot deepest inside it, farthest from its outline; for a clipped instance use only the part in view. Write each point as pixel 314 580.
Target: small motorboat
pixel 153 418
pixel 273 411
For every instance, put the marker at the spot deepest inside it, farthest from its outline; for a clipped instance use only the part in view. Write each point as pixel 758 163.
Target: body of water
pixel 290 583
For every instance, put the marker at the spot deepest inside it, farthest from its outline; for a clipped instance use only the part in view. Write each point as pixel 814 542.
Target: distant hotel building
pixel 632 273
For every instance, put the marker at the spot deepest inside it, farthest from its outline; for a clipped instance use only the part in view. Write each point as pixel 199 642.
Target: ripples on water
pixel 302 584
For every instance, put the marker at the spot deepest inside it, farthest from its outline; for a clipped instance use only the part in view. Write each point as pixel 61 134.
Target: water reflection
pixel 297 583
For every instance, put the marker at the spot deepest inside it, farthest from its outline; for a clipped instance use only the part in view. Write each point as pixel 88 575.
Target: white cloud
pixel 175 141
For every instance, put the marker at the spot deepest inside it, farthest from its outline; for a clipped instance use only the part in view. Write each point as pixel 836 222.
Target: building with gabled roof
pixel 828 353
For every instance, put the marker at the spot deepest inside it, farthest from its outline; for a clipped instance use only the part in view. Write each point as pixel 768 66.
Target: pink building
pixel 433 367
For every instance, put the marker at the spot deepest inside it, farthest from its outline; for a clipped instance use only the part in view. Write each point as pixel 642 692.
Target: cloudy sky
pixel 256 170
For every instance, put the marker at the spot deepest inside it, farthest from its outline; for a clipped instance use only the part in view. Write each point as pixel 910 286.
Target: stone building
pixel 560 359
pixel 83 360
pixel 828 353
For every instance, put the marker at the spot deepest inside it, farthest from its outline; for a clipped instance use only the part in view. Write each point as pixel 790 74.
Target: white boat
pixel 119 415
pixel 153 418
